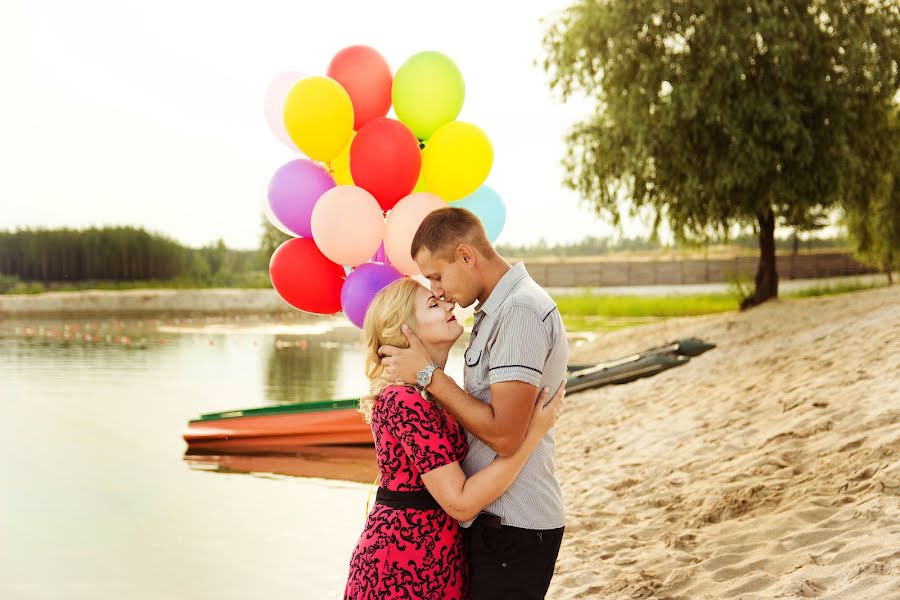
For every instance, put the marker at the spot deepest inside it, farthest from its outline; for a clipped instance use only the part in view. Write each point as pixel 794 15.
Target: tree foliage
pixel 115 254
pixel 720 113
pixel 874 224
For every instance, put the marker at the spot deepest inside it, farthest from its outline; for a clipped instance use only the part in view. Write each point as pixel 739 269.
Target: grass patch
pixel 586 312
pixel 836 288
pixel 575 323
pixel 644 306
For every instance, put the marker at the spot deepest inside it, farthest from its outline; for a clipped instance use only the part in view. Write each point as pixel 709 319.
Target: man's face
pixel 452 281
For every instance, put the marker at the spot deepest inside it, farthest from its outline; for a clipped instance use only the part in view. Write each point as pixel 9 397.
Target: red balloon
pixel 305 279
pixel 366 76
pixel 385 160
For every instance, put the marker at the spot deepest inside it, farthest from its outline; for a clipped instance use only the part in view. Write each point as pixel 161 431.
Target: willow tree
pixel 716 114
pixel 873 222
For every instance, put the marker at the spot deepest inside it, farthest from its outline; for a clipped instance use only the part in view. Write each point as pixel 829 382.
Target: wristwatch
pixel 423 378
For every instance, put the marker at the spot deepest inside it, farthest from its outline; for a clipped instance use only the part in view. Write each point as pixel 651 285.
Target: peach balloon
pixel 348 225
pixel 401 225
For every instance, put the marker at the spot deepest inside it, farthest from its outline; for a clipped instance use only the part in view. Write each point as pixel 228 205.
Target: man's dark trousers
pixel 510 563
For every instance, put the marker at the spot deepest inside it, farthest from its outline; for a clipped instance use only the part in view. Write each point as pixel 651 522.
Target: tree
pixel 717 114
pixel 874 223
pixel 804 222
pixel 269 240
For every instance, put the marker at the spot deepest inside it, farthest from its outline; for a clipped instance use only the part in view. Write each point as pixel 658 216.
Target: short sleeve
pixel 421 428
pixel 520 347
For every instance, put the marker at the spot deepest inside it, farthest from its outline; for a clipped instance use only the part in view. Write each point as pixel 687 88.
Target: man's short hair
pixel 444 229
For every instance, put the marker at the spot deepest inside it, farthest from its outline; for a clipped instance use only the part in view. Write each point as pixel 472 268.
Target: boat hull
pixel 277 433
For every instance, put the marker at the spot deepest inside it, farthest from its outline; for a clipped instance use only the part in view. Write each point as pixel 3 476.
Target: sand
pixel 766 468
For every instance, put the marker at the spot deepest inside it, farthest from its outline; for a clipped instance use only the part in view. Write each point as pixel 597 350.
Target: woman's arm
pixel 464 498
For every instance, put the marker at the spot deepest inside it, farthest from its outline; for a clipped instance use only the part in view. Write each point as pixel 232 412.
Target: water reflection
pixel 349 463
pixel 300 370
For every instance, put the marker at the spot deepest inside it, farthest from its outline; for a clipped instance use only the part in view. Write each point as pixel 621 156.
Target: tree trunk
pixel 766 273
pixel 889 267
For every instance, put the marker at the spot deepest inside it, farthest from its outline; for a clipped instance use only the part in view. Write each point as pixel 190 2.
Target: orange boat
pixel 279 429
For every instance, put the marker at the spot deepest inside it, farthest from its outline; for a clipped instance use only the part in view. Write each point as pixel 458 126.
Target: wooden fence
pixel 602 273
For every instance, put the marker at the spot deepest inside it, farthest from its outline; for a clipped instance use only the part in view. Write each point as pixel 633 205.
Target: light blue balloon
pixel 489 207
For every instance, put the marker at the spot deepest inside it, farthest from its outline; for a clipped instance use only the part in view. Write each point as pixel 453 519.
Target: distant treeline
pixel 116 254
pixel 597 246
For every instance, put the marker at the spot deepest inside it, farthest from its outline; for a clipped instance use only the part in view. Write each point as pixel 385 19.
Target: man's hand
pixel 401 365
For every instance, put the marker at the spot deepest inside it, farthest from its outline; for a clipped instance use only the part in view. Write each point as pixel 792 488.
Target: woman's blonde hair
pixel 392 307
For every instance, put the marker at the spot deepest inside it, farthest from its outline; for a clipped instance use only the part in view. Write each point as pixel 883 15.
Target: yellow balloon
pixel 340 166
pixel 420 184
pixel 456 160
pixel 318 115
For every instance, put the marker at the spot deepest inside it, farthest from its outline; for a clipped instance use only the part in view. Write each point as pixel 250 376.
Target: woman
pixel 411 546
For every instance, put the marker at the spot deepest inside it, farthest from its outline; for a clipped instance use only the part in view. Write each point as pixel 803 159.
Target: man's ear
pixel 465 253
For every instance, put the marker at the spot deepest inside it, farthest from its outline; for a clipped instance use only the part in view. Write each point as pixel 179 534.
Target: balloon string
pixel 369 495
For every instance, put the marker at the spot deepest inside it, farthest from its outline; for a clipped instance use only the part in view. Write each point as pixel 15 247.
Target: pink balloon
pixel 274 104
pixel 348 225
pixel 402 223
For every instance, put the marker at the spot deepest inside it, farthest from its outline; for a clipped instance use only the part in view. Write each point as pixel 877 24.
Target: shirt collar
pixel 514 275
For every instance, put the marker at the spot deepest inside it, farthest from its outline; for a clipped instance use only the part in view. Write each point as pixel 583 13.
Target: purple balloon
pixel 361 286
pixel 380 255
pixel 293 192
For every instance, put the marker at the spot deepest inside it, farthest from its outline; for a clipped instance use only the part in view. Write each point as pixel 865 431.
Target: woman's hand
pixel 544 417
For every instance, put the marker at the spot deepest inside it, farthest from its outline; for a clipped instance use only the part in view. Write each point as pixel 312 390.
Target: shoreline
pixel 145 301
pixel 267 301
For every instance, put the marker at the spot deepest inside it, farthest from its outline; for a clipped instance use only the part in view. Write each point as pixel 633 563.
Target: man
pixel 518 346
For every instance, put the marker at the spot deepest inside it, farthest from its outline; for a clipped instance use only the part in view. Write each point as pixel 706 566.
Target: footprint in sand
pixel 722 560
pixel 811 589
pixel 729 573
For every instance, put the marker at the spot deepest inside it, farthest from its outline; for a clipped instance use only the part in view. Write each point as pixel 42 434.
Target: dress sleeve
pixel 421 428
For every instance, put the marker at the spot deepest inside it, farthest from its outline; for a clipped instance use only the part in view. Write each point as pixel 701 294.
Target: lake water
pixel 98 499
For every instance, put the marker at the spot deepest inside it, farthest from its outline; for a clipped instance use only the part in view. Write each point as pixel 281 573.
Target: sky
pixel 118 112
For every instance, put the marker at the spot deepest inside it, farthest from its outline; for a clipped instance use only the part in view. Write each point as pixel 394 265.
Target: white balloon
pixel 276 94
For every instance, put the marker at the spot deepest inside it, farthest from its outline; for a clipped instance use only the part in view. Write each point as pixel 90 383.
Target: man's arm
pixel 502 424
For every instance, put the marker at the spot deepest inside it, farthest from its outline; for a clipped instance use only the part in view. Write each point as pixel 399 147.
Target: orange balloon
pixel 348 225
pixel 366 76
pixel 402 223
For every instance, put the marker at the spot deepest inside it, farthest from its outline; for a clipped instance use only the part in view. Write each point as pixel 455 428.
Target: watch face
pixel 424 376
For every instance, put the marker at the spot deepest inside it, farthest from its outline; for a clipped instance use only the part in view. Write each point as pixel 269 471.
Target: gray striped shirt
pixel 518 336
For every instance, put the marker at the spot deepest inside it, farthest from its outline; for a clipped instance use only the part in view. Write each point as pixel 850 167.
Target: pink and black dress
pixel 410 548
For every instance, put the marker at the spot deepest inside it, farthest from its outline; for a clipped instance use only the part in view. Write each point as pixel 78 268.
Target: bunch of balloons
pixel 363 182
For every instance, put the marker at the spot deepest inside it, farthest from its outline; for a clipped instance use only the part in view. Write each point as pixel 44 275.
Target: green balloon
pixel 428 92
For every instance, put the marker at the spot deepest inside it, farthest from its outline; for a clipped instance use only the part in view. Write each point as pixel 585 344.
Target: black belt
pixel 418 499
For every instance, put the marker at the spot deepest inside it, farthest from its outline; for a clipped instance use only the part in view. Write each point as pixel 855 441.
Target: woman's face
pixel 436 324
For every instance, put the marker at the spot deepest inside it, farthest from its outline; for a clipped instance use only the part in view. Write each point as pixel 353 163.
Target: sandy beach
pixel 766 468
